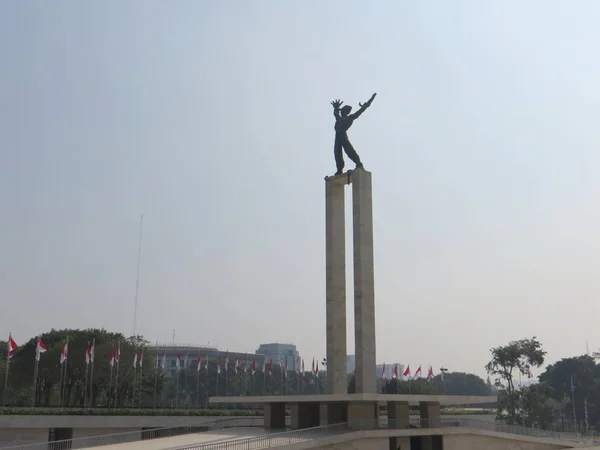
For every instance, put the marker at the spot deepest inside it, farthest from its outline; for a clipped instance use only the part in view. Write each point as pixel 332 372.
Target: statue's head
pixel 345 110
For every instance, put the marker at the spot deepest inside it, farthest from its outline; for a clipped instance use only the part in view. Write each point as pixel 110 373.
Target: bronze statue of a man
pixel 343 121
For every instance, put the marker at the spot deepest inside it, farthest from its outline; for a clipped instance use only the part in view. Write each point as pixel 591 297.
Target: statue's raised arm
pixel 363 107
pixel 336 108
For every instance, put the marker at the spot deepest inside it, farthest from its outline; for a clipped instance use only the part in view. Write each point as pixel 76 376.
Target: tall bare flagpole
pixel 92 351
pixel 7 367
pixel 137 281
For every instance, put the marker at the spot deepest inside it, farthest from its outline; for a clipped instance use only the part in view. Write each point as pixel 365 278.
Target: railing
pixel 133 436
pixel 455 422
pixel 274 440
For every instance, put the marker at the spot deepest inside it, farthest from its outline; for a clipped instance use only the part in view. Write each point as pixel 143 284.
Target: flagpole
pixel 135 360
pixel 60 383
pixel 198 380
pixel 64 395
pixel 6 379
pixel 178 379
pixel 118 363
pixel 226 371
pixel 156 375
pixel 87 372
pixel 217 382
pixel 63 372
pixel 141 381
pixel 246 373
pixel 207 383
pixel 110 385
pixel 35 372
pixel 92 358
pixel 137 281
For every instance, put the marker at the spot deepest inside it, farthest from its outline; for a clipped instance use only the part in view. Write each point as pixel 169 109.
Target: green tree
pixel 77 380
pixel 419 386
pixel 461 383
pixel 537 409
pixel 508 361
pixel 585 374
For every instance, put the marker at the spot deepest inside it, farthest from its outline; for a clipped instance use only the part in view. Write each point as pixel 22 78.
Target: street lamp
pixel 443 370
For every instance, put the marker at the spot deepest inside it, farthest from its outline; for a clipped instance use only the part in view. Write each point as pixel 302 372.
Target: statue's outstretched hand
pixel 336 103
pixel 368 103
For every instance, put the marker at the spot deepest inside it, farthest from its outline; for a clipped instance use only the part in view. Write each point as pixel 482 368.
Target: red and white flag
pixel 178 361
pixel 198 362
pixel 383 374
pixel 92 351
pixel 141 358
pixel 135 360
pixel 227 361
pixel 64 352
pixel 40 348
pixel 406 371
pixel 237 365
pixel 270 367
pixel 218 365
pixel 317 368
pixel 395 374
pixel 112 359
pixel 118 354
pixel 418 373
pixel 253 367
pixel 164 359
pixel 206 362
pixel 12 346
pixel 430 373
pixel 88 353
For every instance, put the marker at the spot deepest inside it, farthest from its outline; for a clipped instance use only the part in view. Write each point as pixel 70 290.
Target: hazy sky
pixel 213 120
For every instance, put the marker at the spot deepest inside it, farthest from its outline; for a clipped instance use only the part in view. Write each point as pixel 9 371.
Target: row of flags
pixel 406 374
pixel 182 361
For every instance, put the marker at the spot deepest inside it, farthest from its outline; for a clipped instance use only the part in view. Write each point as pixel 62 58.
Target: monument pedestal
pixel 274 414
pixel 398 414
pixel 364 282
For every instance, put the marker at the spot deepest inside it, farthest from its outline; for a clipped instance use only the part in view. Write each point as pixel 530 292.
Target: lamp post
pixel 443 370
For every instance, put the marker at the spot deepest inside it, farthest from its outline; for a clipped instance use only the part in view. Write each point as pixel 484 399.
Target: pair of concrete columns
pixel 364 285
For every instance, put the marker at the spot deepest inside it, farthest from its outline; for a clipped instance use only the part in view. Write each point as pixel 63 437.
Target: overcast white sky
pixel 213 120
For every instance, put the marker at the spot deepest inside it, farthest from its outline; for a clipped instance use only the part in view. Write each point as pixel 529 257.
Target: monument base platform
pixel 358 410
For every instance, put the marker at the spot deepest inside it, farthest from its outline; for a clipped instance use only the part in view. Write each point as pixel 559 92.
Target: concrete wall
pixel 360 444
pixel 23 430
pixel 111 436
pixel 99 422
pixel 23 436
pixel 478 442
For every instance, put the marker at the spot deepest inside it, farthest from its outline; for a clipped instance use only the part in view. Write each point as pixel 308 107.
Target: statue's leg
pixel 339 156
pixel 349 149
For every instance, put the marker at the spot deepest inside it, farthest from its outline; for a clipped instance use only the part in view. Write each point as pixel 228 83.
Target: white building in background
pixel 389 367
pixel 280 352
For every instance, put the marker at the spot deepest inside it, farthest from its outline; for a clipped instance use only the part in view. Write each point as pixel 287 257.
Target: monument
pixel 360 409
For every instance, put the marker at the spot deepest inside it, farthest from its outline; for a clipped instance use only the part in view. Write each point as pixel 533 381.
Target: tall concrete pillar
pixel 336 284
pixel 430 414
pixel 364 283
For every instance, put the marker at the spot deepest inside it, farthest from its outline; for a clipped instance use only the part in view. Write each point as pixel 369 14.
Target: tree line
pixel 565 396
pixel 150 386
